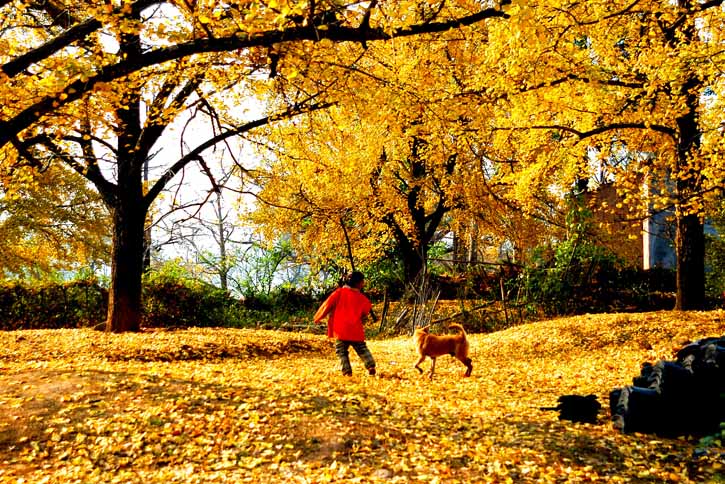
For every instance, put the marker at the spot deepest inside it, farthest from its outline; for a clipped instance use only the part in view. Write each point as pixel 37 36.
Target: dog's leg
pixel 469 366
pixel 417 365
pixel 432 367
pixel 462 356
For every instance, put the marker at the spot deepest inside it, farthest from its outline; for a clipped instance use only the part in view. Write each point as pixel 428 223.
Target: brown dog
pixel 433 346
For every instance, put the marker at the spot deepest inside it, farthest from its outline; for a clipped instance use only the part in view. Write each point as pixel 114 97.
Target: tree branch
pixel 672 133
pixel 73 34
pixel 152 132
pixel 196 152
pixel 336 33
pixel 106 189
pixel 209 175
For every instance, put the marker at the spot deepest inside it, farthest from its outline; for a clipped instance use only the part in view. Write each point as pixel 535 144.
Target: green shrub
pixel 171 301
pixel 576 275
pixel 52 305
pixel 168 302
pixel 715 266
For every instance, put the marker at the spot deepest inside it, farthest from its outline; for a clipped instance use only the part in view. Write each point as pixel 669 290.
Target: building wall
pixel 616 228
pixel 658 242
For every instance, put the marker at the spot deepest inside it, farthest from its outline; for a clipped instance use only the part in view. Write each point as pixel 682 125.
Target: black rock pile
pixel 681 397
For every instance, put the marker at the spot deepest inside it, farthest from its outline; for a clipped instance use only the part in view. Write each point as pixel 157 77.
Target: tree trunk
pixel 223 258
pixel 413 263
pixel 147 242
pixel 690 234
pixel 124 295
pixel 129 208
pixel 690 231
pixel 690 247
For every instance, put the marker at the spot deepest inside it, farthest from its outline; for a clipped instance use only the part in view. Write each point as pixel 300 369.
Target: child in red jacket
pixel 347 307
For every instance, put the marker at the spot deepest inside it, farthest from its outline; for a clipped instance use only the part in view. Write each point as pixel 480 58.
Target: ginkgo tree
pixel 556 93
pixel 603 78
pixel 372 172
pixel 56 223
pixel 75 76
pixel 400 159
pixel 339 200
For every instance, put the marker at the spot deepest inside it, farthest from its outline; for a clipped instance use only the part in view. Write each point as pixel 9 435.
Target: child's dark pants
pixel 342 350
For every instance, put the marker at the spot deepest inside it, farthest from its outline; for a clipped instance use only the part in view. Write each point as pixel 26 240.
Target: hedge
pixel 84 303
pixel 52 305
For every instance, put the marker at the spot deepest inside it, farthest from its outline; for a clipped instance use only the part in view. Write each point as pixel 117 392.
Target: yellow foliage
pixel 51 223
pixel 521 102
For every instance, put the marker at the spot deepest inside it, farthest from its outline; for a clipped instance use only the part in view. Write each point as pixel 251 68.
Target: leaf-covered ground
pixel 207 405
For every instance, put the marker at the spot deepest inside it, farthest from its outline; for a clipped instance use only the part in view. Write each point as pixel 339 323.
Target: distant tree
pixel 55 224
pixel 603 77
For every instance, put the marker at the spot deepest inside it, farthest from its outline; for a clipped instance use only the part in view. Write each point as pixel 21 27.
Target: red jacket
pixel 347 307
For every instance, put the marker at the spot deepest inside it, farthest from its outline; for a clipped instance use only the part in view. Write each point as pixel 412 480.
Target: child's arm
pixel 367 310
pixel 327 307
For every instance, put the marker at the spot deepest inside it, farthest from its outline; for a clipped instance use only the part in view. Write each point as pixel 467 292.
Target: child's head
pixel 355 279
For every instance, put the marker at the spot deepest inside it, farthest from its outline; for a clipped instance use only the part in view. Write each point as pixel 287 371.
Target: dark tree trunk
pixel 690 233
pixel 124 296
pixel 129 208
pixel 127 259
pixel 690 246
pixel 413 261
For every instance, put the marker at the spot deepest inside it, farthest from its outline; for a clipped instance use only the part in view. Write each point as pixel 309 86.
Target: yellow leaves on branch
pixel 52 222
pixel 463 92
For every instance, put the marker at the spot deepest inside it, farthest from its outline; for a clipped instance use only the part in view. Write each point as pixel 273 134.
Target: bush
pixel 52 305
pixel 385 276
pixel 715 266
pixel 594 281
pixel 283 299
pixel 577 275
pixel 177 302
pixel 168 302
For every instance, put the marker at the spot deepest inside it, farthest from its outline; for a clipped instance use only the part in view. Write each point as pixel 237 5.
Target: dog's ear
pixel 425 329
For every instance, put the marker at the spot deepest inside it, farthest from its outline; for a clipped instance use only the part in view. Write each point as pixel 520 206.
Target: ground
pixel 221 405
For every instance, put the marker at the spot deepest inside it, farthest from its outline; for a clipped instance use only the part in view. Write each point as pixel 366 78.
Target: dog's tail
pixel 458 327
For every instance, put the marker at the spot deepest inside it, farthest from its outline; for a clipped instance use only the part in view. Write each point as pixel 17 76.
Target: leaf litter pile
pixel 222 405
